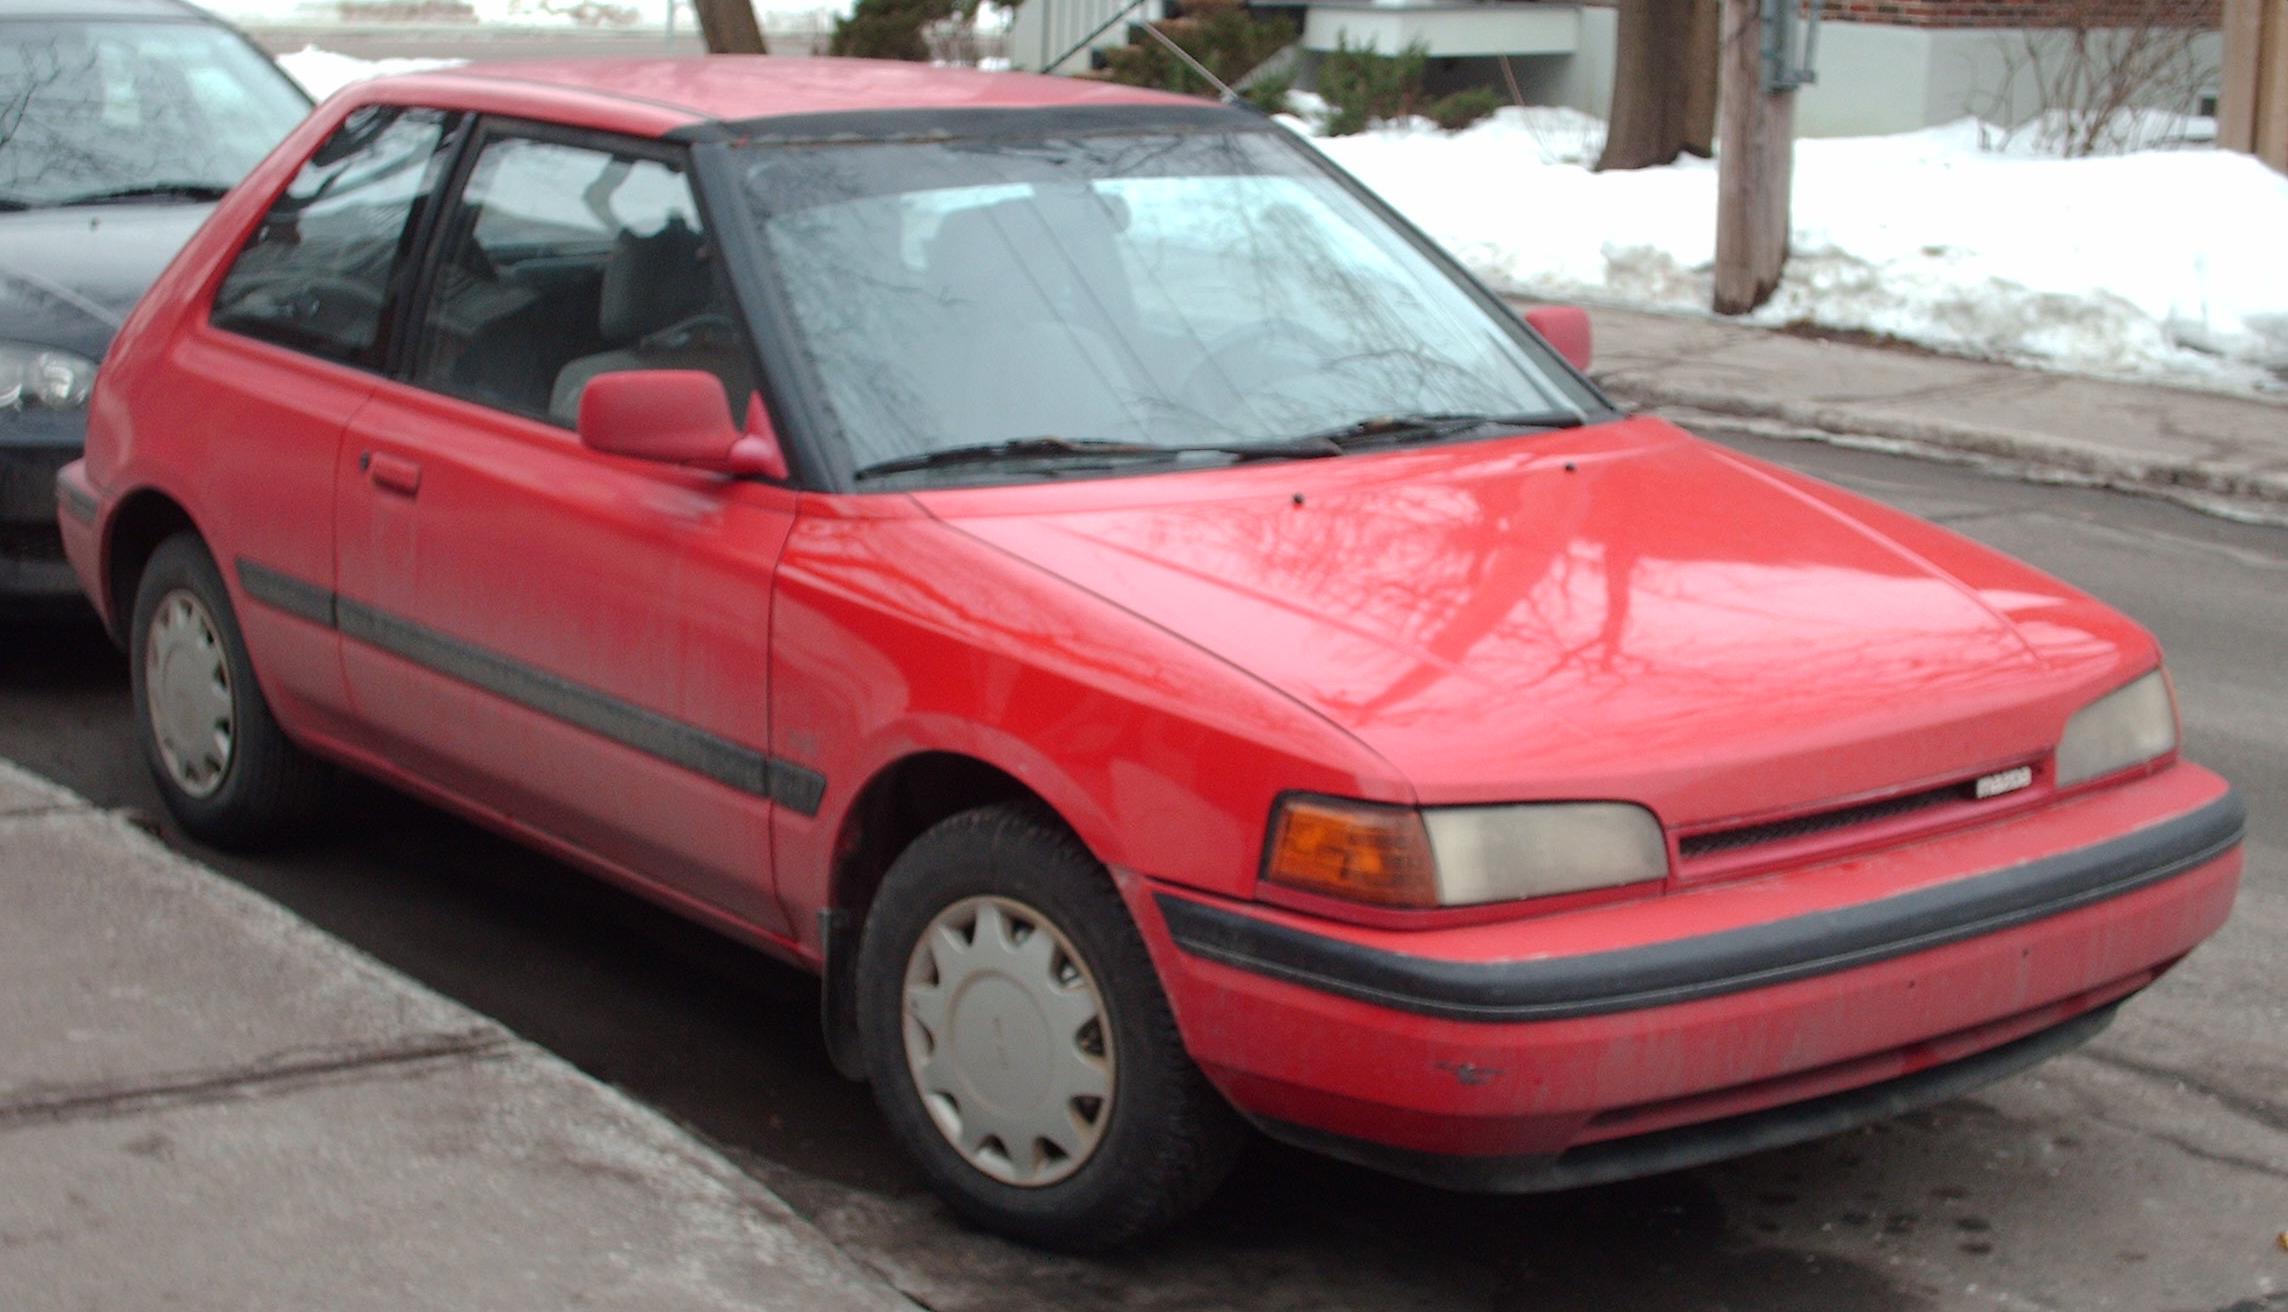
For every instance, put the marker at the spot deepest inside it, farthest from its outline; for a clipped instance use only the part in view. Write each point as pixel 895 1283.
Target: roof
pixel 738 88
pixel 103 9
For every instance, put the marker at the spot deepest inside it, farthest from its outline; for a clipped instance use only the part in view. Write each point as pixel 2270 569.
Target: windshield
pixel 1173 289
pixel 101 110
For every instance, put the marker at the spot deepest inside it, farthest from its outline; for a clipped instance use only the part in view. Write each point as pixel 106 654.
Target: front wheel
pixel 1019 1044
pixel 225 770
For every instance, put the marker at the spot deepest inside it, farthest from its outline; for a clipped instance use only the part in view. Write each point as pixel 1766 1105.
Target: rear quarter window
pixel 319 271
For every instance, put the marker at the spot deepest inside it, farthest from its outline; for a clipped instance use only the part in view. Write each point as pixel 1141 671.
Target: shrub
pixel 888 29
pixel 1269 92
pixel 1361 86
pixel 1463 108
pixel 1226 39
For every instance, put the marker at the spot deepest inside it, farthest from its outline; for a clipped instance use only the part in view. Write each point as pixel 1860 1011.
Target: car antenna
pixel 1227 95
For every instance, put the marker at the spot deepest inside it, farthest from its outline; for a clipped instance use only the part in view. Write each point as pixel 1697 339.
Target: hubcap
pixel 1007 1041
pixel 186 683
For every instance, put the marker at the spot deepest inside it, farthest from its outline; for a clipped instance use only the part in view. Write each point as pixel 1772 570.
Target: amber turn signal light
pixel 1377 854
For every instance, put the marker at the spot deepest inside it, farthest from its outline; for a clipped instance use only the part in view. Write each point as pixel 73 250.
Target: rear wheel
pixel 224 769
pixel 1019 1044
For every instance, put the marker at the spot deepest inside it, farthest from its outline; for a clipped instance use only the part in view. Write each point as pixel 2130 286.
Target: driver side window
pixel 562 262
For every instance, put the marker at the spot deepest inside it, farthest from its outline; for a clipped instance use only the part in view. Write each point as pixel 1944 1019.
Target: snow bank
pixel 322 72
pixel 2160 264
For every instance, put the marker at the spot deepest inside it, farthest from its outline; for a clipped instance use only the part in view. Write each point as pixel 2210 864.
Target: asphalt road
pixel 2149 1171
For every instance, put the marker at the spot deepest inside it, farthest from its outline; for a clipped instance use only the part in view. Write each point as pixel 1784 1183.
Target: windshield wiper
pixel 1396 429
pixel 183 191
pixel 1091 448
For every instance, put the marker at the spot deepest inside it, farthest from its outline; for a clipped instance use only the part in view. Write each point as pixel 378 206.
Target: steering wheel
pixel 690 326
pixel 331 298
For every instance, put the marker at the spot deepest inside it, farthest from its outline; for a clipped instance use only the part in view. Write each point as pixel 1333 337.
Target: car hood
pixel 1614 612
pixel 68 277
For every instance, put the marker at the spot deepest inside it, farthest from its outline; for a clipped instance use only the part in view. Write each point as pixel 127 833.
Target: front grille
pixel 28 482
pixel 30 542
pixel 1821 822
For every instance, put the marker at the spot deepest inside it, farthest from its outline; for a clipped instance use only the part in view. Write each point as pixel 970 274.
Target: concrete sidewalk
pixel 2221 453
pixel 207 1104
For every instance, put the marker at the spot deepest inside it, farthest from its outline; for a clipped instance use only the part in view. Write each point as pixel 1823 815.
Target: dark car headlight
pixel 43 376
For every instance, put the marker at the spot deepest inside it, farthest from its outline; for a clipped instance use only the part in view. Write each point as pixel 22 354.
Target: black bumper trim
pixel 1688 1146
pixel 688 746
pixel 77 501
pixel 1683 970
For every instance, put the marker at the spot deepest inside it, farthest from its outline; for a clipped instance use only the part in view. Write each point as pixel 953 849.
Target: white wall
pixel 1585 82
pixel 1045 29
pixel 1873 78
pixel 1970 73
pixel 1444 30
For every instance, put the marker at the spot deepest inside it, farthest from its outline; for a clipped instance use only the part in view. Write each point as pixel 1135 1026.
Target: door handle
pixel 391 473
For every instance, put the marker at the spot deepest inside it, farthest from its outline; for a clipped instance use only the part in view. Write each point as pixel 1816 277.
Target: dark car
pixel 121 123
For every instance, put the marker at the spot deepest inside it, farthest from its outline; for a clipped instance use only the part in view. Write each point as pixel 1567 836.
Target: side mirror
pixel 1566 329
pixel 677 417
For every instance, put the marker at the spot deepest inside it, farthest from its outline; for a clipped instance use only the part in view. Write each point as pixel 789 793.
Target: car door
pixel 296 338
pixel 572 640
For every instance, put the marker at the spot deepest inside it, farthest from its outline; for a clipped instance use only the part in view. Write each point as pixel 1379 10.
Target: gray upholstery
pixel 658 309
pixel 1015 357
pixel 652 282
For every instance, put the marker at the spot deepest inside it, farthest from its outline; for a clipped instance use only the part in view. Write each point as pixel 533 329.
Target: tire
pixel 259 791
pixel 1161 1140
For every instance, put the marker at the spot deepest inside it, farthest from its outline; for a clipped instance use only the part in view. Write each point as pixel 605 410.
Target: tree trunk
pixel 729 27
pixel 1664 83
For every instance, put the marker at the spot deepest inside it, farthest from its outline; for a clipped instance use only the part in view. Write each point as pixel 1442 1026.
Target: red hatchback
pixel 1069 566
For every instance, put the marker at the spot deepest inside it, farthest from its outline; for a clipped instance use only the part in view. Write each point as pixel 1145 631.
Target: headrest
pixel 653 282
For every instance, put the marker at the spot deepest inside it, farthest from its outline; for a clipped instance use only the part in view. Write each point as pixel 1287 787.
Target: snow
pixel 2168 264
pixel 322 72
pixel 2164 264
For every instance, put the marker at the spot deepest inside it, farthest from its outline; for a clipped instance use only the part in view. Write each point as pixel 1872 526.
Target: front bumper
pixel 1498 1056
pixel 32 451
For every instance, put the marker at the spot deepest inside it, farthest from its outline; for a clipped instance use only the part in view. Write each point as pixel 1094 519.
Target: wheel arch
pixel 144 518
pixel 898 804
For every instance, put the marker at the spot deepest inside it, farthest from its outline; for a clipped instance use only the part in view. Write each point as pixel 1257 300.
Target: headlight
pixel 1496 853
pixel 2126 727
pixel 1461 855
pixel 42 376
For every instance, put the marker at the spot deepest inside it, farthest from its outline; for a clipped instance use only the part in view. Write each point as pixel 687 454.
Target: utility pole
pixel 1764 56
pixel 2253 115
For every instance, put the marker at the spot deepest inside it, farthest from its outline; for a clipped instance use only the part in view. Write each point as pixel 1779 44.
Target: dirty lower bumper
pixel 1531 1051
pixel 1687 1146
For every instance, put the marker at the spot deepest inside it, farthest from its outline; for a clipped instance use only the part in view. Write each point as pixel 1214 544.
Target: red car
pixel 1070 567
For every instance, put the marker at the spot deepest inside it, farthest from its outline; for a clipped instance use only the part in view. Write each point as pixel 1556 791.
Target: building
pixel 1884 65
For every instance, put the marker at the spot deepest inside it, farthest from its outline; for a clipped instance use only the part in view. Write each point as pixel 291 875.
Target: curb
pixel 643 1162
pixel 2226 490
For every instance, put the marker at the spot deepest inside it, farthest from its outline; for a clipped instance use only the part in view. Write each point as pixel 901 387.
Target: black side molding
pixel 286 593
pixel 1710 1141
pixel 1681 970
pixel 671 740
